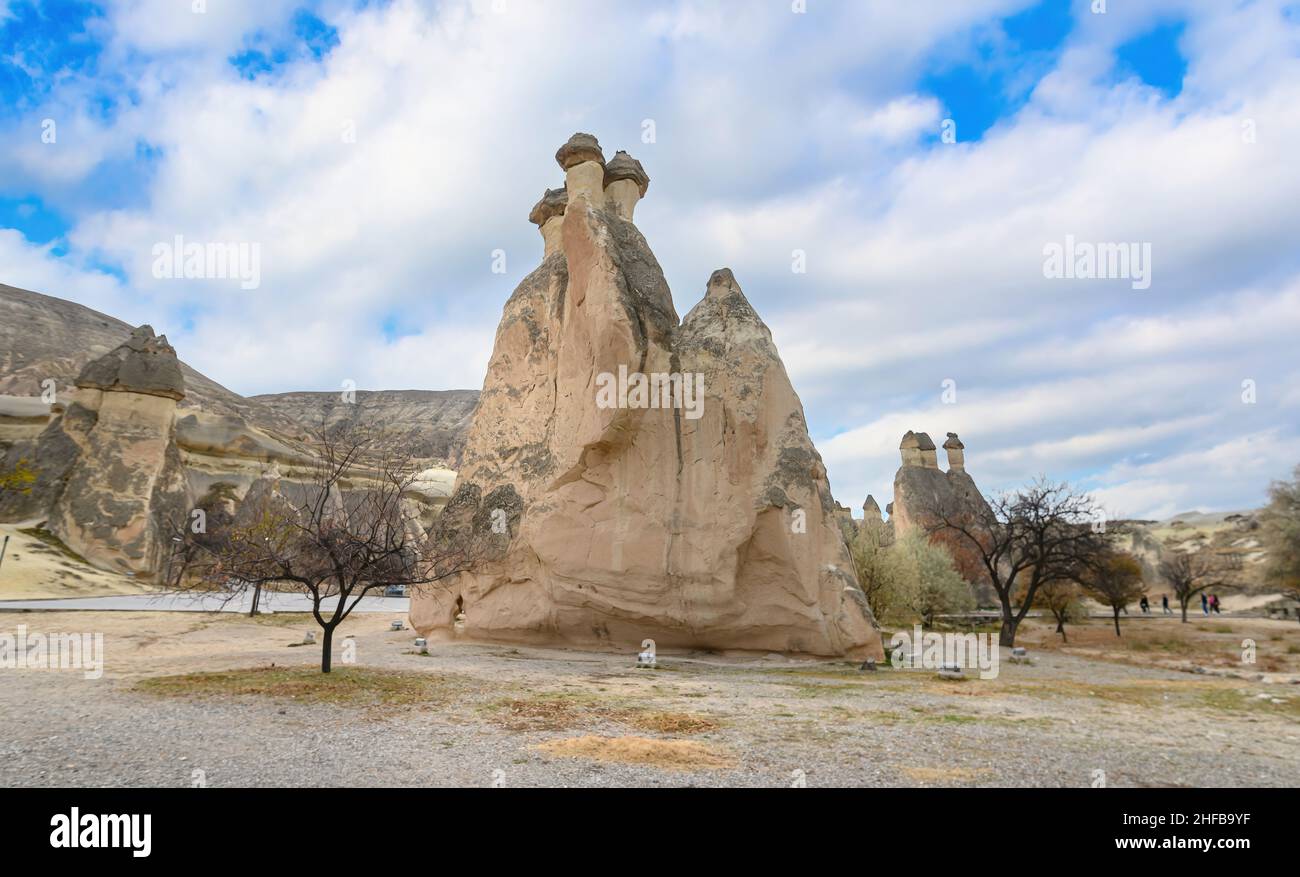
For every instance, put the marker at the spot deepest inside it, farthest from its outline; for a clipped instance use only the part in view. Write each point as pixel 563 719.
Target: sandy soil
pixel 35 570
pixel 482 715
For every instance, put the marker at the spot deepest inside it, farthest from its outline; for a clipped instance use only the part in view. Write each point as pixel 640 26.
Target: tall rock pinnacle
pixel 648 476
pixel 125 484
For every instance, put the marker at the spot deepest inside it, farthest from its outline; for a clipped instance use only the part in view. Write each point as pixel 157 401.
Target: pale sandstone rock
pixel 583 164
pixel 956 453
pixel 626 183
pixel 122 486
pixel 548 215
pixel 715 532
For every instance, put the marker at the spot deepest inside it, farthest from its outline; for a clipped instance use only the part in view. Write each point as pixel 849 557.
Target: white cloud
pixel 1205 479
pixel 775 132
pixel 29 266
pixel 901 119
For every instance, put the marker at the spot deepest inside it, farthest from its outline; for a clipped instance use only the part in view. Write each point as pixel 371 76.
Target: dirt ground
pixel 1215 642
pixel 221 700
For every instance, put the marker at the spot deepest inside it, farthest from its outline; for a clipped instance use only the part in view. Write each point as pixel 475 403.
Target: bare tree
pixel 1114 579
pixel 1023 540
pixel 346 534
pixel 1191 572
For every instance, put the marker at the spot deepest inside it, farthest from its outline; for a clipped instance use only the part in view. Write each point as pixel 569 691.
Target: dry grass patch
pixel 561 712
pixel 669 754
pixel 668 722
pixel 539 714
pixel 344 686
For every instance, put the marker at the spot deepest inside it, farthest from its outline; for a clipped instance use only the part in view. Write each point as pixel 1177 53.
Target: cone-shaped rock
pixel 641 476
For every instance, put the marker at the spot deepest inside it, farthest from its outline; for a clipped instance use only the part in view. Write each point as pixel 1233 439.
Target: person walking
pixel 1214 604
pixel 1145 604
pixel 1205 604
pixel 1164 604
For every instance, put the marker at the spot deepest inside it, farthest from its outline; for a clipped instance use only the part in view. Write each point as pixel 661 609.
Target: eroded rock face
pixel 705 522
pixel 111 461
pixel 924 494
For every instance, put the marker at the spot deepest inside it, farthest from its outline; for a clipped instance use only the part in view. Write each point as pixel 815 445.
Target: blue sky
pixel 380 152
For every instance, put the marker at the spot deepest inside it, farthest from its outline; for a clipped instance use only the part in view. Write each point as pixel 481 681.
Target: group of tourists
pixel 1209 604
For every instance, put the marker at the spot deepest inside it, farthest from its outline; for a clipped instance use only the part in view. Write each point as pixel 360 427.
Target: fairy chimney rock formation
pixel 124 481
pixel 929 453
pixel 583 164
pixel 626 183
pixel 922 491
pixel 142 364
pixel 910 449
pixel 956 457
pixel 548 216
pixel 649 476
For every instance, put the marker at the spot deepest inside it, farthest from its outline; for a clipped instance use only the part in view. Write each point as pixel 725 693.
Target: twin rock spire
pixel 616 185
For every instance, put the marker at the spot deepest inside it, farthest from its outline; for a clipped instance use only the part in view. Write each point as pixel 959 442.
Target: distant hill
pixel 45 337
pixel 1234 534
pixel 436 419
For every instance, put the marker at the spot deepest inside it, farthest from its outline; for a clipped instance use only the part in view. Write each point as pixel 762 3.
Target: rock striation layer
pixel 640 475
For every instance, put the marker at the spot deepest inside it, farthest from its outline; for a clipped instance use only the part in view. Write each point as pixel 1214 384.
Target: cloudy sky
pixel 922 156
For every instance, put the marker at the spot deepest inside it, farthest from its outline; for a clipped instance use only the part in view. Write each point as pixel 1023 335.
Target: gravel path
pixel 774 722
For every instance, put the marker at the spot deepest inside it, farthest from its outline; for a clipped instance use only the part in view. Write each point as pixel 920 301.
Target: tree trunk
pixel 1184 605
pixel 325 653
pixel 1060 628
pixel 1008 635
pixel 257 599
pixel 1116 610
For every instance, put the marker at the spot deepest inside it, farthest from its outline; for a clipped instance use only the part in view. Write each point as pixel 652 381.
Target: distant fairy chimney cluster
pixel 616 186
pixel 917 449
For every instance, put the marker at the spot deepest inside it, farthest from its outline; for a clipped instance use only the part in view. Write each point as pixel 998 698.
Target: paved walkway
pixel 209 602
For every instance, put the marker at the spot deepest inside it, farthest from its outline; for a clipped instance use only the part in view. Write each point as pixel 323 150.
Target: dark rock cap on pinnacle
pixel 624 167
pixel 581 147
pixel 140 364
pixel 953 443
pixel 552 204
